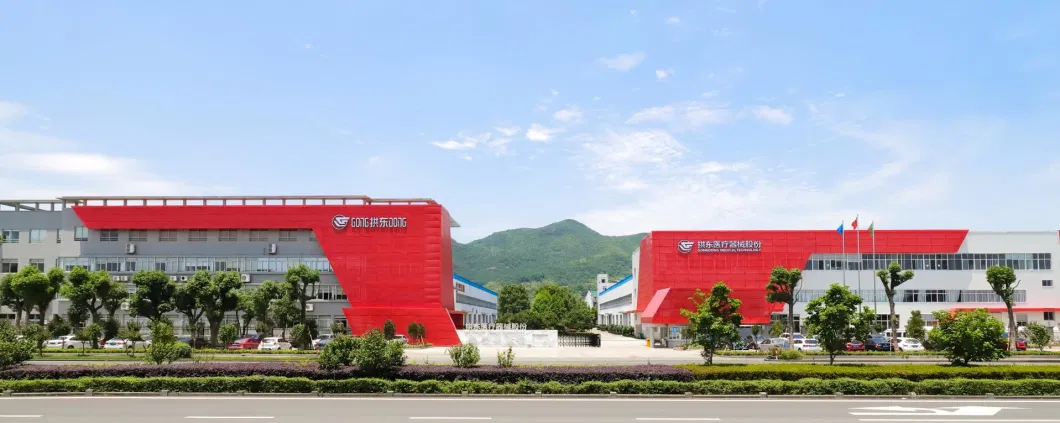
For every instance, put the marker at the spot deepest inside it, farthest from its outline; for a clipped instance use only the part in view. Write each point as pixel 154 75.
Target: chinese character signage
pixel 712 246
pixel 459 287
pixel 496 326
pixel 340 222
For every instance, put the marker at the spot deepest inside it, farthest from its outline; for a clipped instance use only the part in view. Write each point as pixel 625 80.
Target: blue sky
pixel 627 115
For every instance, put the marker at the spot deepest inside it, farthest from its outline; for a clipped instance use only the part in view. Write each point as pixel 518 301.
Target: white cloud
pixel 773 115
pixel 571 114
pixel 555 92
pixel 466 142
pixel 11 111
pixel 466 157
pixel 689 114
pixel 622 62
pixel 538 133
pixel 500 146
pixel 663 74
pixel 716 167
pixel 673 20
pixel 710 94
pixel 508 131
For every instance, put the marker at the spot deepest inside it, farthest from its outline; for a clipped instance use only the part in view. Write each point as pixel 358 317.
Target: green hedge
pixel 912 372
pixel 73 351
pixel 739 353
pixel 1027 387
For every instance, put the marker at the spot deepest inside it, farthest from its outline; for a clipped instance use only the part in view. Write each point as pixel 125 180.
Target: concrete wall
pixel 510 338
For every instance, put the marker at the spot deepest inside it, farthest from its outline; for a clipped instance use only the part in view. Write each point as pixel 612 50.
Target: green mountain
pixel 567 252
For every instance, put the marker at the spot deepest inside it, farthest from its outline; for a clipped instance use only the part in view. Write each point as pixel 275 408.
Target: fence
pixel 579 340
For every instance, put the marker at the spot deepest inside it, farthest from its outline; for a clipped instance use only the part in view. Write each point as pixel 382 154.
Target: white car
pixel 910 344
pixel 808 345
pixel 316 342
pixel 68 342
pixel 274 344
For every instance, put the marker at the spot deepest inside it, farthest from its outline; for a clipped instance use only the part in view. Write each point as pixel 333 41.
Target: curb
pixel 913 397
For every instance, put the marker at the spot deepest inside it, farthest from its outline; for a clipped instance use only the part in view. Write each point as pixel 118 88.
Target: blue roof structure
pixel 467 281
pixel 624 280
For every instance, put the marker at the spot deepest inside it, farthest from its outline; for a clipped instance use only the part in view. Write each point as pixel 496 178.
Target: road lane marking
pixel 450 418
pixel 20 416
pixel 963 420
pixel 678 419
pixel 229 417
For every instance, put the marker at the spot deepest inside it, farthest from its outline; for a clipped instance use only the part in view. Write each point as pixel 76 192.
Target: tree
pixel 38 335
pixel 58 326
pixel 10 299
pixel 216 295
pixel 37 288
pixel 186 300
pixel 914 328
pixel 93 291
pixel 131 334
pixel 1039 336
pixel 414 331
pixel 831 317
pixel 77 315
pixel 714 322
pixel 89 335
pixel 864 324
pixel 389 330
pixel 284 312
pixel 783 288
pixel 261 299
pixel 298 280
pixel 154 295
pixel 421 331
pixel 967 336
pixel 891 278
pixel 337 328
pixel 12 350
pixel 245 311
pixel 755 331
pixel 301 337
pixel 1003 281
pixel 512 299
pixel 777 328
pixel 559 308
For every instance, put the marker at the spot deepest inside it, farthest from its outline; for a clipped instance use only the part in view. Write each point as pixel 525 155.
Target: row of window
pixel 964 261
pixel 81 233
pixel 11 265
pixel 194 264
pixel 922 296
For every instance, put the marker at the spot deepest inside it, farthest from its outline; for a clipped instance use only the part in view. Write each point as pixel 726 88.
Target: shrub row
pixel 912 372
pixel 617 330
pixel 198 351
pixel 562 374
pixel 955 387
pixel 738 353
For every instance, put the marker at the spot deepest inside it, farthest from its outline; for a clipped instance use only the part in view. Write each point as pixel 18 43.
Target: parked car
pixel 878 343
pixel 399 337
pixel 807 345
pixel 855 345
pixel 67 342
pixel 274 344
pixel 245 344
pixel 117 344
pixel 323 343
pixel 909 344
pixel 773 342
pixel 322 338
pixel 1021 344
pixel 194 342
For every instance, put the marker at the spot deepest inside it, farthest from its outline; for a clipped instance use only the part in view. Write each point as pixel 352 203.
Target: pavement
pixel 516 410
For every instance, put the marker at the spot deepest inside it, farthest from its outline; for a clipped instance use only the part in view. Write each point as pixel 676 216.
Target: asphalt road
pixel 515 410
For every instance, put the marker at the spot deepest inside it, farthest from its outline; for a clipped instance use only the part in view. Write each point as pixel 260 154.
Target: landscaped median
pixel 777 379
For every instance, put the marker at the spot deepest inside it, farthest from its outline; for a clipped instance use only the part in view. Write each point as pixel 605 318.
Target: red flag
pixel 854 224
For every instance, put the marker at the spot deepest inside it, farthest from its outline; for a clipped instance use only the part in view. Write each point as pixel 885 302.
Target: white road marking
pixel 19 416
pixel 963 420
pixel 897 410
pixel 450 418
pixel 229 417
pixel 552 399
pixel 678 419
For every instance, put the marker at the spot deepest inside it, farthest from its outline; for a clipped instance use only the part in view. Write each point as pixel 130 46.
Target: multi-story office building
pixel 949 265
pixel 379 259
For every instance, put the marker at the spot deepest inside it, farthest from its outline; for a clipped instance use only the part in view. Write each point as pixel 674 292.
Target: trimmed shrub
pixel 506 358
pixel 560 374
pixel 339 353
pixel 913 372
pixel 955 387
pixel 617 330
pixel 464 355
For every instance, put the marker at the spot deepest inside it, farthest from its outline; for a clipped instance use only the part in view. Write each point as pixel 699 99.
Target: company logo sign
pixel 459 287
pixel 712 246
pixel 340 222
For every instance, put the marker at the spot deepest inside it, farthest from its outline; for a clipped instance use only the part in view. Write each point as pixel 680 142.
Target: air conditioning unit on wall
pixel 130 248
pixel 183 278
pixel 124 278
pixel 309 307
pixel 244 277
pixel 173 278
pixel 271 249
pixel 125 306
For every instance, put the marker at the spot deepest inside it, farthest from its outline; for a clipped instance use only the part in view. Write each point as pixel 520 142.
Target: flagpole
pixel 875 261
pixel 843 236
pixel 857 233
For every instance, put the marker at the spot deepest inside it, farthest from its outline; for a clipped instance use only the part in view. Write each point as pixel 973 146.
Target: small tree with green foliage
pixel 38 335
pixel 777 328
pixel 389 330
pixel 58 326
pixel 714 322
pixel 464 355
pixel 914 328
pixel 1003 281
pixel 863 325
pixel 512 299
pixel 227 333
pixel 89 335
pixel 755 331
pixel 131 334
pixel 154 295
pixel 414 332
pixel 12 350
pixel 831 317
pixel 301 337
pixel 967 336
pixel 337 328
pixel 891 278
pixel 1039 336
pixel 164 347
pixel 378 356
pixel 340 352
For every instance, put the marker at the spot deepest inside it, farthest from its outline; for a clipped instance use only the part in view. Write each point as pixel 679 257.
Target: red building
pixel 392 257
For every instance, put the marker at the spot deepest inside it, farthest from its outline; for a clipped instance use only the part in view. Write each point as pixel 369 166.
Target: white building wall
pixel 479 303
pixel 1037 295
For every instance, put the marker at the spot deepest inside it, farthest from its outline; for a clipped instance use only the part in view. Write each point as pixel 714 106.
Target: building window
pixel 167 235
pixel 37 236
pixel 160 265
pixel 288 235
pixel 1049 316
pixel 259 235
pixel 9 266
pixel 138 235
pixel 935 296
pixel 108 235
pixel 80 233
pixel 197 235
pixel 37 262
pixel 10 236
pixel 228 235
pixel 1048 283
